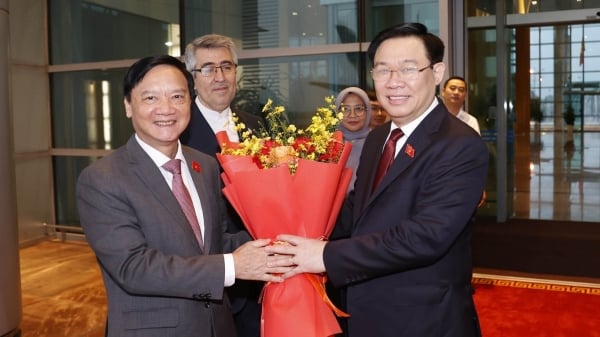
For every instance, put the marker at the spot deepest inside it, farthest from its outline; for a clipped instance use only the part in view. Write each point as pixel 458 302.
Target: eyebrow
pixel 214 64
pixel 155 92
pixel 401 62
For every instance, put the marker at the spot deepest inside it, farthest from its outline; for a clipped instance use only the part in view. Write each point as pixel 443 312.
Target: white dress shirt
pixel 219 120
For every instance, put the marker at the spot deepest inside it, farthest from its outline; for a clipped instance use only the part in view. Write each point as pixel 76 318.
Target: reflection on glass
pixel 298 83
pixel 66 170
pixel 88 111
pixel 383 14
pixel 488 7
pixel 82 31
pixel 274 24
pixel 566 74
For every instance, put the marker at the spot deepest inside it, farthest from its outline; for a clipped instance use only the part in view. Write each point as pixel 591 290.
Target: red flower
pixel 334 150
pixel 195 166
pixel 410 151
pixel 304 144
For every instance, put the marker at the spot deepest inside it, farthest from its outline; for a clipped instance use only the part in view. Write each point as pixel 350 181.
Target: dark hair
pixel 454 78
pixel 135 74
pixel 372 95
pixel 433 44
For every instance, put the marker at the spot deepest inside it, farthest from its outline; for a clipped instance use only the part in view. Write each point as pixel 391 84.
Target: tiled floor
pixel 558 180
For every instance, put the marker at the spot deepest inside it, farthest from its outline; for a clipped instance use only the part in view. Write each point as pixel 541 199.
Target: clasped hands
pixel 290 255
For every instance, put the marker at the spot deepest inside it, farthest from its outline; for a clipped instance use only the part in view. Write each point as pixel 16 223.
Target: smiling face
pixel 405 100
pixel 217 90
pixel 160 108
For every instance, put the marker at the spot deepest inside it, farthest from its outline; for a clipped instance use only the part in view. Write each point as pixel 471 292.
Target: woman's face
pixel 355 112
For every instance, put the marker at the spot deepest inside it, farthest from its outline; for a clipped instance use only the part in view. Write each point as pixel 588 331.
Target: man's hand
pixel 250 260
pixel 482 200
pixel 298 254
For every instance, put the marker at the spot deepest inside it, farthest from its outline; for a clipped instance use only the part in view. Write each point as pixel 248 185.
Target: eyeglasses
pixel 211 69
pixel 359 110
pixel 382 73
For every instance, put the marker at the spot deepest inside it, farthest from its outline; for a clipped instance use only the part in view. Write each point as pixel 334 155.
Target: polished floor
pixel 557 178
pixel 63 294
pixel 62 291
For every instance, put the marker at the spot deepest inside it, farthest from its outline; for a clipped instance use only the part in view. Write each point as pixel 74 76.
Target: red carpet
pixel 509 308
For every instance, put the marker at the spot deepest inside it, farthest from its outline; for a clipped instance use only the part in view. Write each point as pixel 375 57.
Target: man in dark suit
pixel 165 266
pixel 406 260
pixel 212 60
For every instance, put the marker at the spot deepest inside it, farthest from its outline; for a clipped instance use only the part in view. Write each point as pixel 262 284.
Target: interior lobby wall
pixel 29 96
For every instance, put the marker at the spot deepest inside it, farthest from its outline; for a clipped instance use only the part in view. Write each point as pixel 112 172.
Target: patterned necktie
pixel 183 197
pixel 387 158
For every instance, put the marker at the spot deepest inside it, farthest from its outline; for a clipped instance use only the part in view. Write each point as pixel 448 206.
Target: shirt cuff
pixel 229 270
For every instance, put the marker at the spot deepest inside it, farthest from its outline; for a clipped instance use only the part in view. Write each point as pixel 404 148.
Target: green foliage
pixel 537 114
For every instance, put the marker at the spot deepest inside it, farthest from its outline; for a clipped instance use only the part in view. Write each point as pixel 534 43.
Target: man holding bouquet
pixel 153 215
pixel 402 244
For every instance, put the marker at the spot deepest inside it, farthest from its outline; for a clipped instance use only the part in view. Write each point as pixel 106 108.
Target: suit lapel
pixel 151 177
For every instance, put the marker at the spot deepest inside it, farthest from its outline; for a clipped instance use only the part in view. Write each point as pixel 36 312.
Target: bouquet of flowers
pixel 293 181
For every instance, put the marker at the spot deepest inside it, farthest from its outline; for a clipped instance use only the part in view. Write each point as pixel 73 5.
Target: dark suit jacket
pixel 157 280
pixel 200 136
pixel 408 263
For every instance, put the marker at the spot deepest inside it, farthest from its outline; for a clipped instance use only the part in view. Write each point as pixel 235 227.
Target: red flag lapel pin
pixel 409 150
pixel 195 166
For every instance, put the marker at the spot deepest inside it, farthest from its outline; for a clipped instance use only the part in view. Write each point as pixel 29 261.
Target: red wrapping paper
pixel 273 201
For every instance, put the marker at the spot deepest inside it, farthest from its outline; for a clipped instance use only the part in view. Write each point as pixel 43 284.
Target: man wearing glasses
pixel 401 245
pixel 212 60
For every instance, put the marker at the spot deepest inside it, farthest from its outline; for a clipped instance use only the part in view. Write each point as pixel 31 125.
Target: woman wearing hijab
pixel 354 103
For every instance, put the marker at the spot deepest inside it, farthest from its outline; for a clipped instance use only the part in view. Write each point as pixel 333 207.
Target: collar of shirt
pixel 219 120
pixel 462 115
pixel 408 129
pixel 160 159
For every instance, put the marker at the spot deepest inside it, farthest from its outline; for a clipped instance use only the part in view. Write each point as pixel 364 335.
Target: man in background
pixel 378 114
pixel 454 94
pixel 212 60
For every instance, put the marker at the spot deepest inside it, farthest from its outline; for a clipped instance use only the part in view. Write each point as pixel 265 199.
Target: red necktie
pixel 387 158
pixel 183 197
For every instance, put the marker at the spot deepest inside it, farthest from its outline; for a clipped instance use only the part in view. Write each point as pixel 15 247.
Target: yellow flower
pixel 280 142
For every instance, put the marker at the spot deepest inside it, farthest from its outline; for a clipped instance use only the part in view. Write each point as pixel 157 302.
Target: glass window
pixel 488 7
pixel 82 31
pixel 66 171
pixel 273 23
pixel 298 83
pixel 88 111
pixel 383 14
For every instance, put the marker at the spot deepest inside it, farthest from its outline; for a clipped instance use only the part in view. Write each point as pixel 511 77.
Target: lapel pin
pixel 410 151
pixel 195 166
